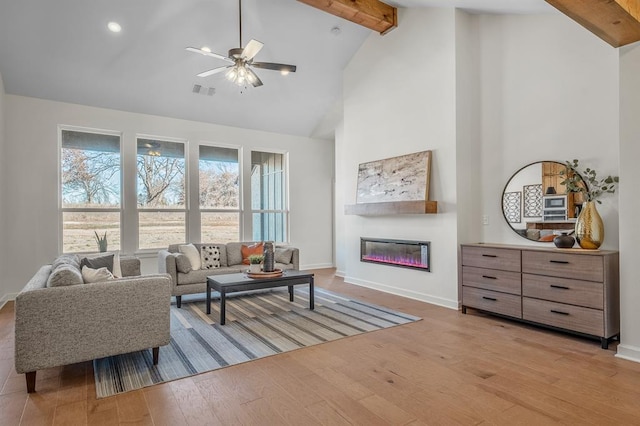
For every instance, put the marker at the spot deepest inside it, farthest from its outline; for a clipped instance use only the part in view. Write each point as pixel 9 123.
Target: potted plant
pixel 589 227
pixel 255 263
pixel 102 241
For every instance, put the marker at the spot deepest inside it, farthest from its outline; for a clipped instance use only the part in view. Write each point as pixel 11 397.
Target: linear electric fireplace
pixel 402 253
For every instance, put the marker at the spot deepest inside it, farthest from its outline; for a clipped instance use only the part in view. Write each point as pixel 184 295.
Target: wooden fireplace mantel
pixel 392 207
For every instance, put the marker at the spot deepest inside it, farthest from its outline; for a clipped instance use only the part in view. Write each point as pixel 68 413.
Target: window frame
pixel 185 210
pixel 285 191
pixel 240 209
pixel 62 210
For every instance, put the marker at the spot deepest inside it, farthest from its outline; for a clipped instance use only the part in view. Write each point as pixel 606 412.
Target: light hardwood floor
pixel 448 368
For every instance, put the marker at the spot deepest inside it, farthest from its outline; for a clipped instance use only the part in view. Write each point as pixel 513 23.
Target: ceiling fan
pixel 241 59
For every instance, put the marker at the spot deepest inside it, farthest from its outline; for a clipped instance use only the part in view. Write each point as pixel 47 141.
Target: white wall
pixel 31 197
pixel 549 92
pixel 629 202
pixel 4 292
pixel 396 103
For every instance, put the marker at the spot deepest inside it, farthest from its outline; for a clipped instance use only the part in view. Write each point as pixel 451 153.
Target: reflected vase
pixel 589 227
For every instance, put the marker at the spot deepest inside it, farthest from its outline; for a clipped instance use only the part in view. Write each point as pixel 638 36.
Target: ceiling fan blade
pixel 251 49
pixel 214 71
pixel 205 53
pixel 275 67
pixel 253 78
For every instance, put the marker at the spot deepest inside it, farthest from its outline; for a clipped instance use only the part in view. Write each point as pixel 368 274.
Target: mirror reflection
pixel 536 204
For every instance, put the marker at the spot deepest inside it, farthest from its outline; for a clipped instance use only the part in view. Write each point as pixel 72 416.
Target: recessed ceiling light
pixel 284 72
pixel 206 49
pixel 114 27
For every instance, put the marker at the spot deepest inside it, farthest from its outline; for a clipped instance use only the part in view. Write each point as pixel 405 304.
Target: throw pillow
pixel 192 253
pixel 117 269
pixel 182 263
pixel 97 262
pixel 64 275
pixel 90 275
pixel 283 255
pixel 249 250
pixel 210 257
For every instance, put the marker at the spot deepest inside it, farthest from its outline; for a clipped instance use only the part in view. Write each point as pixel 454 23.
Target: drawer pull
pixel 561 287
pixel 489 277
pixel 490 298
pixel 489 255
pixel 564 262
pixel 559 312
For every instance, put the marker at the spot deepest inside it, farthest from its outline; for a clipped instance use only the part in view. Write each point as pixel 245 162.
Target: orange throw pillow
pixel 249 250
pixel 549 237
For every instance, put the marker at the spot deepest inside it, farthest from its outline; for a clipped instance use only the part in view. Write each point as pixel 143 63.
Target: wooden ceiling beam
pixel 372 14
pixel 615 21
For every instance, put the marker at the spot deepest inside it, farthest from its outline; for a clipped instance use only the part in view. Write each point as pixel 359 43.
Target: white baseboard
pixel 316 266
pixel 7 297
pixel 628 352
pixel 446 303
pixel 340 274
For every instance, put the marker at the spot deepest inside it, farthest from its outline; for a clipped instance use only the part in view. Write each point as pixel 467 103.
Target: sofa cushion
pixel 234 254
pixel 210 256
pixel 283 255
pixel 98 262
pixel 200 276
pixel 63 275
pixel 248 250
pixel 90 275
pixel 66 259
pixel 192 253
pixel 182 263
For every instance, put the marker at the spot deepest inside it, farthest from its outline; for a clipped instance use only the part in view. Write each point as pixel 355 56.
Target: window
pixel 268 197
pixel 219 192
pixel 161 187
pixel 90 181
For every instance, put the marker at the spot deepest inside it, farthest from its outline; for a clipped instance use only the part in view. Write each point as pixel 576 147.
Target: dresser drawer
pixel 492 279
pixel 576 318
pixel 565 265
pixel 589 294
pixel 491 258
pixel 492 301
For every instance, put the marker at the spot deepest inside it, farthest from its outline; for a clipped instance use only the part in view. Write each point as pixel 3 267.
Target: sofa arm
pixel 167 265
pixel 64 325
pixel 295 258
pixel 130 266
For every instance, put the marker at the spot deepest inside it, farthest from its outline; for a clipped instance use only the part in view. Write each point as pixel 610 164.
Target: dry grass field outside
pixel 156 230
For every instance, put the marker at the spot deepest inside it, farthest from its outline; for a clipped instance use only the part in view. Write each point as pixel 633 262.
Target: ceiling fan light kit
pixel 241 59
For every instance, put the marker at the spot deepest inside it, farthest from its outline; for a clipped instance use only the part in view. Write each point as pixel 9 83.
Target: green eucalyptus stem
pixel 587 182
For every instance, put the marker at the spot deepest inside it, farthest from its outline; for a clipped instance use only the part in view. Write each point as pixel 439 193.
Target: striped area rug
pixel 258 325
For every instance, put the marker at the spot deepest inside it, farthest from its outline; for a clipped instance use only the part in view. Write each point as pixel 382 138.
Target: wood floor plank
pixel 132 409
pixel 448 368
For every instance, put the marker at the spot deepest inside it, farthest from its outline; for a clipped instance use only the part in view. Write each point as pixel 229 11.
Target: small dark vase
pixel 564 241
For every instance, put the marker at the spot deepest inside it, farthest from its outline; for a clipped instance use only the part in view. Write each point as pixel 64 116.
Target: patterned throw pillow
pixel 210 257
pixel 283 255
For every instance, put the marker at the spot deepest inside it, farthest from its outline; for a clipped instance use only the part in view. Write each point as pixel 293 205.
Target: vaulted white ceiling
pixel 61 50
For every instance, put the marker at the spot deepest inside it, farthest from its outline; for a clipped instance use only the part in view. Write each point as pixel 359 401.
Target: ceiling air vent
pixel 200 90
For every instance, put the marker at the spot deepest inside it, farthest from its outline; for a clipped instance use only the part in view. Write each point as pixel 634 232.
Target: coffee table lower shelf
pixel 233 283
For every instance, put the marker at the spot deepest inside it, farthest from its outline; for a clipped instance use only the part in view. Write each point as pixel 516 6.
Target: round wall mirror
pixel 536 204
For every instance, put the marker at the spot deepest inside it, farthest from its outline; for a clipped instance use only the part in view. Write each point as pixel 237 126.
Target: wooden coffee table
pixel 231 283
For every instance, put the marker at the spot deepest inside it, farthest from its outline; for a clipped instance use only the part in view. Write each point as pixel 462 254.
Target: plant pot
pixel 255 268
pixel 589 227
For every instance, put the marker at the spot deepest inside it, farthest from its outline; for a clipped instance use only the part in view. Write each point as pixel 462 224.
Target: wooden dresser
pixel 570 289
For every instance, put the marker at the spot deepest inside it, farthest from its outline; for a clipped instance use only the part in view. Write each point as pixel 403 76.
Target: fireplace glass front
pixel 402 253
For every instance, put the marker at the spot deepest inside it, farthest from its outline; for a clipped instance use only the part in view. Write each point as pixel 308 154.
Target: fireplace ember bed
pixel 400 253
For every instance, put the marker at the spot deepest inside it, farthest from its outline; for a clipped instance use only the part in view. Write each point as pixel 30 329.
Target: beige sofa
pixel 230 262
pixel 67 324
